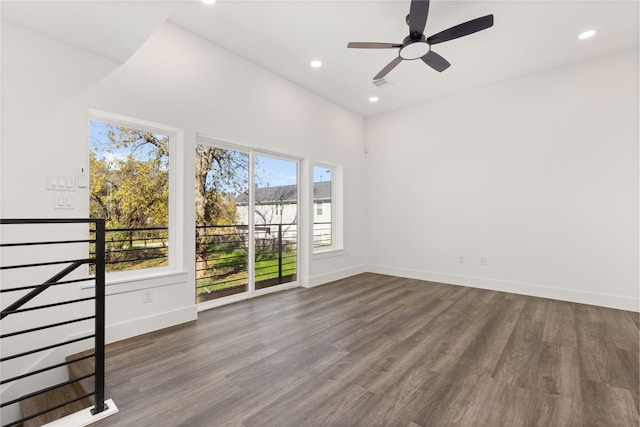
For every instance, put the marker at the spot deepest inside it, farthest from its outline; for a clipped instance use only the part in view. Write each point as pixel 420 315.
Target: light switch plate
pixel 83 177
pixel 60 183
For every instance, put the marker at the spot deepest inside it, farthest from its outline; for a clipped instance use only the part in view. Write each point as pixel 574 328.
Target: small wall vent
pixel 382 83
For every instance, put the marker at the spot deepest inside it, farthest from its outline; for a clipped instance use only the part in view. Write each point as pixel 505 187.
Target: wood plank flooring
pixel 376 350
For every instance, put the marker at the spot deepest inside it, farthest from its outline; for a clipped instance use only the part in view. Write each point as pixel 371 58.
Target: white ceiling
pixel 284 36
pixel 114 29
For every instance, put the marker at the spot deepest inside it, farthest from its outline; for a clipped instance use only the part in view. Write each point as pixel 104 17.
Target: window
pixel 131 189
pixel 323 189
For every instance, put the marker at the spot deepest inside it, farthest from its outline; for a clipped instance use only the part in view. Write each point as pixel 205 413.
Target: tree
pixel 220 173
pixel 129 189
pixel 129 180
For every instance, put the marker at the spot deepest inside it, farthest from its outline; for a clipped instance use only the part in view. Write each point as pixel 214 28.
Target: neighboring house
pixel 279 205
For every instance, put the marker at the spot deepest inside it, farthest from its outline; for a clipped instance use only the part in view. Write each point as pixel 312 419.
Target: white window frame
pixel 175 260
pixel 337 243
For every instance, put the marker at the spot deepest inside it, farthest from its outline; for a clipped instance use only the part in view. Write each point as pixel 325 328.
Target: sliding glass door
pixel 275 221
pixel 246 221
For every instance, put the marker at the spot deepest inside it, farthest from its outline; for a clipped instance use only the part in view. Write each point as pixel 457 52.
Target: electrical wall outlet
pixel 63 201
pixel 483 260
pixel 148 297
pixel 461 259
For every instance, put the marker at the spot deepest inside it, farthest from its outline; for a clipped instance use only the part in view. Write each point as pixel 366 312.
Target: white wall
pixel 179 80
pixel 538 174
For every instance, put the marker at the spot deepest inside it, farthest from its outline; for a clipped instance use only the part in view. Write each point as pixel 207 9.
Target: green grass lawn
pixel 229 268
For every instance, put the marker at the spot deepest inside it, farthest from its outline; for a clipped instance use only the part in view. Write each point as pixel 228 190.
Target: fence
pixel 221 260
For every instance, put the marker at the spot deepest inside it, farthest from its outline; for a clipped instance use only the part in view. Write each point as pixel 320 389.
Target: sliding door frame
pixel 301 209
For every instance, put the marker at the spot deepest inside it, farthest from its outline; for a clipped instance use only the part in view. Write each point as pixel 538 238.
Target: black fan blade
pixel 418 17
pixel 367 45
pixel 435 61
pixel 390 66
pixel 462 30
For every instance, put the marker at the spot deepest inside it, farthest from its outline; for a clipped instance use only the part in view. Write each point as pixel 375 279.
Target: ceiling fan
pixel 417 46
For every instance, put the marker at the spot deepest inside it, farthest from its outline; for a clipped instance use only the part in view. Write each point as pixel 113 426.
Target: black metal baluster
pixel 100 314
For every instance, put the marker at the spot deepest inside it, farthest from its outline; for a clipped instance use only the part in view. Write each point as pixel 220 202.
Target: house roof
pixel 285 193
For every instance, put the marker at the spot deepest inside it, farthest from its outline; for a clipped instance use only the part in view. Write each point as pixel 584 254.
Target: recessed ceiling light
pixel 316 64
pixel 373 99
pixel 208 1
pixel 587 34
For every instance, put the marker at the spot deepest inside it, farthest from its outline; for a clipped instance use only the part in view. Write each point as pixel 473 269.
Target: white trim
pixel 276 288
pixel 243 147
pixel 177 199
pixel 337 242
pixel 251 221
pixel 305 221
pixel 151 279
pixel 329 253
pixel 213 142
pixel 337 204
pixel 325 278
pixel 532 289
pixel 276 155
pixel 131 121
pixel 208 305
pixel 84 417
pixel 175 259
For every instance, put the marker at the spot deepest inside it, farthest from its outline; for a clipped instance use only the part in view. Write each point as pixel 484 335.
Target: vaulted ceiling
pixel 284 36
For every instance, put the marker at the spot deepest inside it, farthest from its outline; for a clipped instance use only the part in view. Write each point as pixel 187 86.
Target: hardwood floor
pixel 377 350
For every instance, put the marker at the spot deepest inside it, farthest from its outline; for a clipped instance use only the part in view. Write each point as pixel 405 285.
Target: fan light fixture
pixel 208 1
pixel 373 99
pixel 587 34
pixel 414 50
pixel 315 63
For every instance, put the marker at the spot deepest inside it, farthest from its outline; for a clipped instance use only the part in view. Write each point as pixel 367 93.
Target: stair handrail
pixel 99 276
pixel 41 288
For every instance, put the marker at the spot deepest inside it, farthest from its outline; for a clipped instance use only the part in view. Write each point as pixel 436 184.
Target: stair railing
pixel 97 260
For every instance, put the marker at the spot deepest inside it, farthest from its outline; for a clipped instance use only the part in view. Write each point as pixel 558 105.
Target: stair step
pixel 82 368
pixel 50 399
pixel 63 394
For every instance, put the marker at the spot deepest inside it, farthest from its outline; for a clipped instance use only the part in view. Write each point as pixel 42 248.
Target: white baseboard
pixel 321 279
pixel 531 289
pixel 143 325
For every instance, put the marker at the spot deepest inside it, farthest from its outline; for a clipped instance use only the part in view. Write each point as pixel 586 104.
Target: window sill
pixel 329 253
pixel 139 281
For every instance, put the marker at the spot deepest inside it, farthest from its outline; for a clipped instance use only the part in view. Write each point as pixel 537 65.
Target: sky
pixel 274 172
pixel 98 135
pixel 270 171
pixel 278 172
